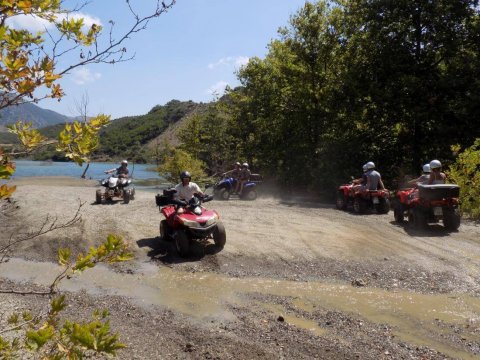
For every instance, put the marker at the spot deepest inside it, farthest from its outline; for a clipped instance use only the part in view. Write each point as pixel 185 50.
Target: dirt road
pixel 295 280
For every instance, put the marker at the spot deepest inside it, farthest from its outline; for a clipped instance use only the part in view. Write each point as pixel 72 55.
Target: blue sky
pixel 186 54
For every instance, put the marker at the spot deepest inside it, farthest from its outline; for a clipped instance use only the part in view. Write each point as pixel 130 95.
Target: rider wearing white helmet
pixel 436 175
pixel 122 171
pixel 422 179
pixel 374 179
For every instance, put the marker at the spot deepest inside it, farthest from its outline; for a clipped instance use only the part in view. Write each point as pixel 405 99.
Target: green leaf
pixel 64 255
pixel 36 339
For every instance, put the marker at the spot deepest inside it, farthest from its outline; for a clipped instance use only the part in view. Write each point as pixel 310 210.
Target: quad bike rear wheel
pixel 98 197
pixel 249 194
pixel 182 243
pixel 220 235
pixel 417 219
pixel 341 201
pixel 451 218
pixel 359 206
pixel 383 206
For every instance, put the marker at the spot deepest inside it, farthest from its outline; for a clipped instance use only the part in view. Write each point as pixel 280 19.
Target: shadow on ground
pixel 166 252
pixel 431 230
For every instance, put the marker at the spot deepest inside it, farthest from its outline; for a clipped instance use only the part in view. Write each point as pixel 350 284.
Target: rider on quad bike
pixel 186 189
pixel 363 193
pixel 373 194
pixel 429 202
pixel 185 217
pixel 116 185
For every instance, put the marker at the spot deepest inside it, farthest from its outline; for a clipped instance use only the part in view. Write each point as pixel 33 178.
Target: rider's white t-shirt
pixel 185 192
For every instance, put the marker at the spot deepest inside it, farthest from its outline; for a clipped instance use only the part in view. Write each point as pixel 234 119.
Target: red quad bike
pixel 188 221
pixel 428 203
pixel 364 200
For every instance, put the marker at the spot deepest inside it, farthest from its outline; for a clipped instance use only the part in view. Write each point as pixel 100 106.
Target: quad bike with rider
pixel 115 187
pixel 226 186
pixel 187 221
pixel 427 204
pixel 355 195
pixel 365 200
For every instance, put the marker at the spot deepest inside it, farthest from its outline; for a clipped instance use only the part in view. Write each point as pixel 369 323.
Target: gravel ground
pixel 296 280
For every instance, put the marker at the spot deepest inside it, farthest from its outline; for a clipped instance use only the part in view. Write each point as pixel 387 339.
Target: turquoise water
pixel 96 170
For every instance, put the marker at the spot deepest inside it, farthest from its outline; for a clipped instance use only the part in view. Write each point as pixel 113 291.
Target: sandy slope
pixel 271 239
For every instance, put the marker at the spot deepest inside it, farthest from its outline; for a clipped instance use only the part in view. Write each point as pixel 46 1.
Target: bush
pixel 177 161
pixel 466 173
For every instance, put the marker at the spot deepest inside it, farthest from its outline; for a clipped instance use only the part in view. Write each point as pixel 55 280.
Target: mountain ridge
pixel 39 117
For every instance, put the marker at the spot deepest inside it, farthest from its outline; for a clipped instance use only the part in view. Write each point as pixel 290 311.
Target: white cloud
pixel 28 22
pixel 34 23
pixel 217 88
pixel 229 61
pixel 83 75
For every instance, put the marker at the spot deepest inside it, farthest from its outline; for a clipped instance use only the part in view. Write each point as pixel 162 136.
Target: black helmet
pixel 185 174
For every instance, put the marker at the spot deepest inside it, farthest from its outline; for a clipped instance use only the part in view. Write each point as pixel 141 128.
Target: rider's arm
pixel 357 181
pixel 380 182
pixel 110 171
pixel 198 190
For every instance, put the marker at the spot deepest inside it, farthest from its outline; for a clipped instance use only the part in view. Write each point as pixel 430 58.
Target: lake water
pixel 142 174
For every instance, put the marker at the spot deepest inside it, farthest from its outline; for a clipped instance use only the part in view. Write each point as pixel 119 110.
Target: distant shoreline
pixel 53 181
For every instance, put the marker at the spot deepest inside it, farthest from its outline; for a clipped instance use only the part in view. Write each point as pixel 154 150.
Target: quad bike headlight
pixel 189 223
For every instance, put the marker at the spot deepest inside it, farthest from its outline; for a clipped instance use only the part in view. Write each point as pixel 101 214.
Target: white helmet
pixel 426 168
pixel 435 164
pixel 245 164
pixel 370 165
pixel 124 162
pixel 364 167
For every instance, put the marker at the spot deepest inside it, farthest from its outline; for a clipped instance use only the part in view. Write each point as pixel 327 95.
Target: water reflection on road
pixel 414 317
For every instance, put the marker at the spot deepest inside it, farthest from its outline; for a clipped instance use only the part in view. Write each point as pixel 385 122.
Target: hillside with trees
pixel 397 83
pixel 129 137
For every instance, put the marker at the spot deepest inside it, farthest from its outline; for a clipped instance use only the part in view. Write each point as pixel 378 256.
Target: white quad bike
pixel 115 187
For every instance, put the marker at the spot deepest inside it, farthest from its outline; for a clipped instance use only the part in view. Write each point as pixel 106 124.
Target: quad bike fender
pixel 168 211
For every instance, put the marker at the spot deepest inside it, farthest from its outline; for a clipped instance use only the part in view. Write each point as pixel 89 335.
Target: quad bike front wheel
pixel 164 230
pixel 224 194
pixel 132 195
pixel 182 243
pixel 398 212
pixel 220 235
pixel 127 196
pixel 98 197
pixel 451 218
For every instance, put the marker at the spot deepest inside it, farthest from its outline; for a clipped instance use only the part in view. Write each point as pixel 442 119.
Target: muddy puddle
pixel 414 317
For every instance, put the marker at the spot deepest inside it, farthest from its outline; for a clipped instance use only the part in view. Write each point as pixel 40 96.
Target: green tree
pixel 177 161
pixel 465 172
